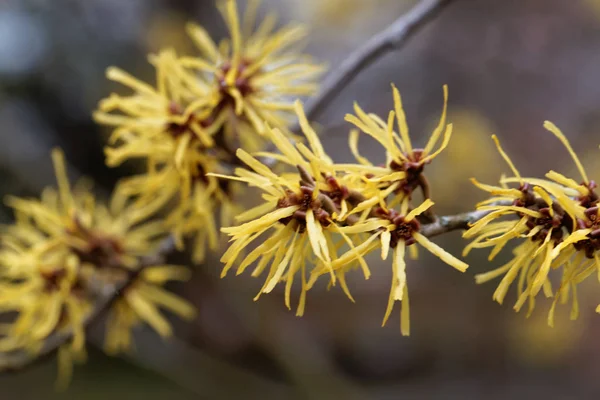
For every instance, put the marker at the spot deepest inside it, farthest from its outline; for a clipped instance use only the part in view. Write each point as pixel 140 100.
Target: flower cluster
pixel 65 251
pixel 68 256
pixel 555 220
pixel 201 110
pixel 331 215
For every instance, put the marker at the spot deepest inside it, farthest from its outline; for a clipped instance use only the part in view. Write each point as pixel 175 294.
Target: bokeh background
pixel 509 64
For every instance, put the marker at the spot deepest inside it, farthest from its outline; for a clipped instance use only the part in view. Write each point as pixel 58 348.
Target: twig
pixel 393 37
pixel 104 294
pixel 456 222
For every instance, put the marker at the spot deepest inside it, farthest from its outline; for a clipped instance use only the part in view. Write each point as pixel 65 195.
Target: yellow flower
pixel 255 74
pixel 201 110
pixel 325 215
pixel 65 249
pixel 404 163
pixel 299 213
pixel 171 128
pixel 113 235
pixel 162 123
pixel 556 221
pixel 139 303
pixel 396 230
pixel 49 296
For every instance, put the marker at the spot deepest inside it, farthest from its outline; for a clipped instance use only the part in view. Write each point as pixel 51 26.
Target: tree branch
pixel 393 37
pixel 456 222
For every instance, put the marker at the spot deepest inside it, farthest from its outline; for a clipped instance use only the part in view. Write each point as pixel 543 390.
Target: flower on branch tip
pixel 64 252
pixel 326 215
pixel 254 74
pixel 397 231
pixel 556 222
pixel 404 162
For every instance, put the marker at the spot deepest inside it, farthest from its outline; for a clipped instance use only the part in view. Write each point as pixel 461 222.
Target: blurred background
pixel 509 64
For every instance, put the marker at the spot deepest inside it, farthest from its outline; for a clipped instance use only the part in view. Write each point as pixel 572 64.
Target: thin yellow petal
pixel 554 129
pixel 427 204
pixel 401 118
pixel 440 127
pixel 441 253
pixel 400 267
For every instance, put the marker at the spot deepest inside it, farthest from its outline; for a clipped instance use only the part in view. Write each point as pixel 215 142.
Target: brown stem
pixel 462 221
pixel 429 214
pixel 391 38
pixel 306 178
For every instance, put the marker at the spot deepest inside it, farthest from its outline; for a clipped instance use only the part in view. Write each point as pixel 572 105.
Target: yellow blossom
pixel 404 163
pixel 48 296
pixel 298 213
pixel 255 73
pixel 396 230
pixel 63 251
pixel 140 302
pixel 324 215
pixel 171 128
pixel 556 221
pixel 113 234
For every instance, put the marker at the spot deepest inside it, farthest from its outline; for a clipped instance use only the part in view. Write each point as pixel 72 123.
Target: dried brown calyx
pixel 413 167
pixel 241 83
pixel 592 221
pixel 178 129
pixel 591 199
pixel 336 192
pixel 324 205
pixel 555 220
pixel 404 229
pixel 53 278
pixel 100 250
pixel 528 198
pixel 306 202
pixel 547 221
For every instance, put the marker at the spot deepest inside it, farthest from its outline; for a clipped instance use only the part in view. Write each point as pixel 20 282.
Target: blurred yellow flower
pixel 201 110
pixel 169 127
pixel 139 304
pixel 557 221
pixel 65 249
pixel 50 295
pixel 255 74
pixel 113 235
